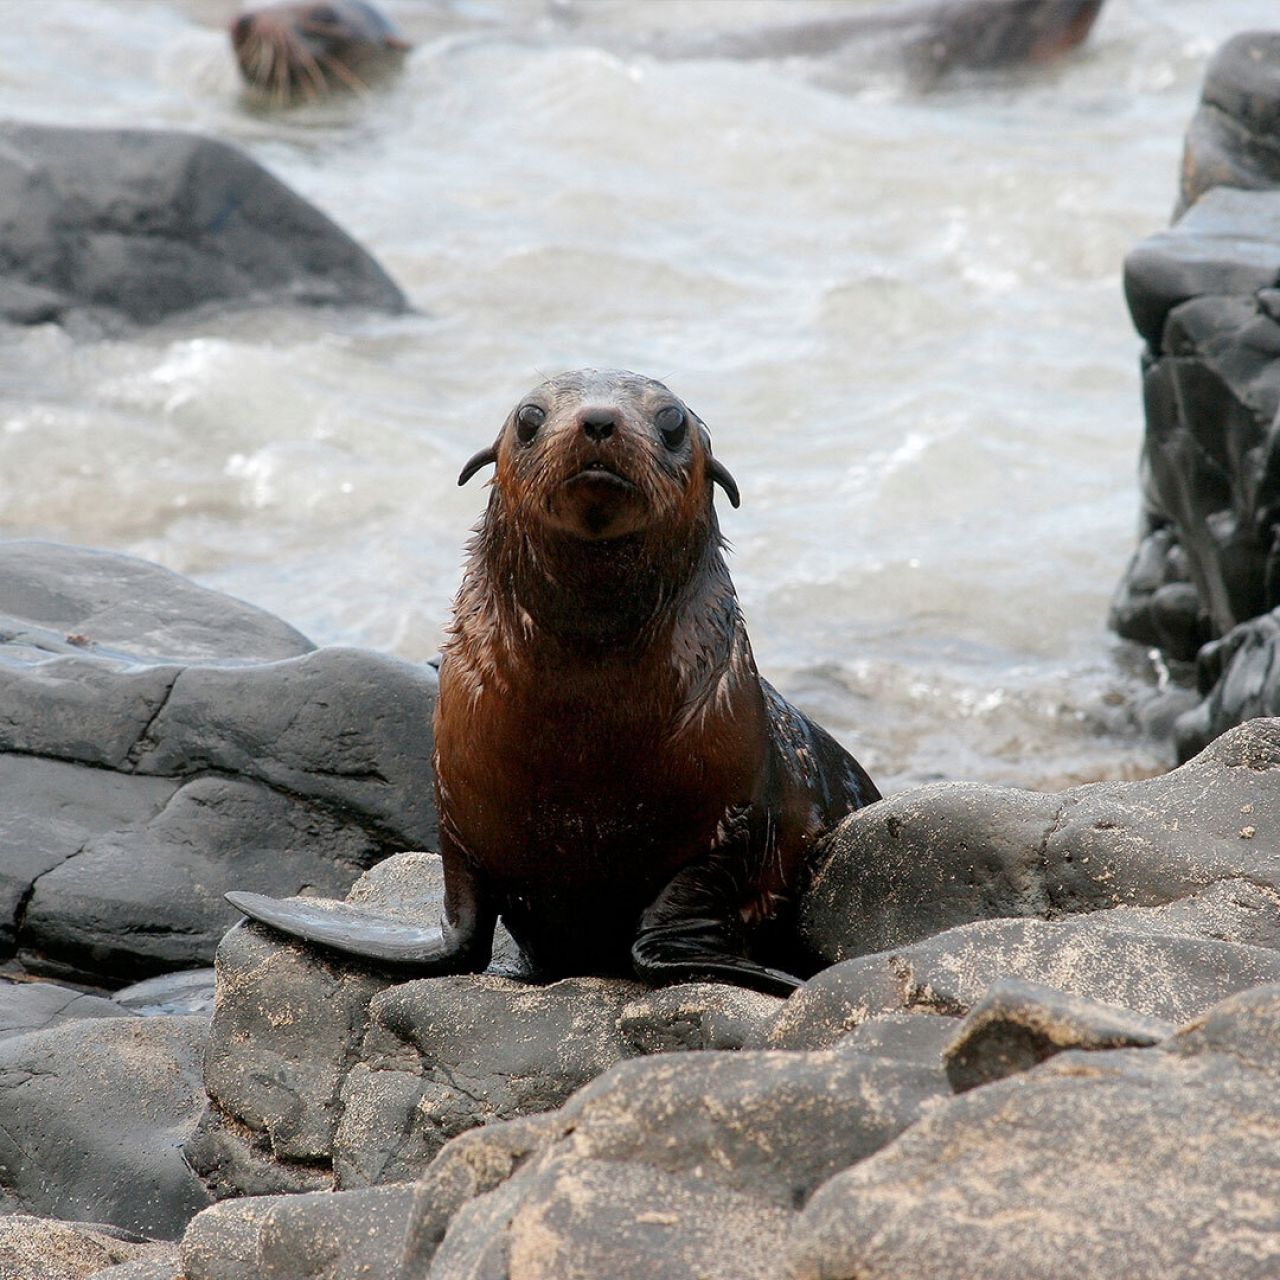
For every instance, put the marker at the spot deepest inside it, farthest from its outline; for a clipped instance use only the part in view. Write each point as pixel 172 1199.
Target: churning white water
pixel 899 312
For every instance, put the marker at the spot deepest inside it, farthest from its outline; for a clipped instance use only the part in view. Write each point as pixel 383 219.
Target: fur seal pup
pixel 302 51
pixel 613 777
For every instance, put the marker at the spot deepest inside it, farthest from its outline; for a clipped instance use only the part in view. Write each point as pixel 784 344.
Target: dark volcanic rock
pixel 33 1006
pixel 1115 1165
pixel 1232 138
pixel 160 744
pixel 951 853
pixel 92 1118
pixel 1204 294
pixel 1239 678
pixel 442 1055
pixel 288 1029
pixel 1018 1024
pixel 46 1249
pixel 137 225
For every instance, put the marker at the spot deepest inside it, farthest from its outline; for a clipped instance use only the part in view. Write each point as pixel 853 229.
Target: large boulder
pixel 1231 140
pixel 139 224
pixel 93 1114
pixel 950 854
pixel 1204 583
pixel 1125 1164
pixel 161 743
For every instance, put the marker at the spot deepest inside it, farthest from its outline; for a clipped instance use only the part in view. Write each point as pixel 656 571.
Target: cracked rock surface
pixel 160 744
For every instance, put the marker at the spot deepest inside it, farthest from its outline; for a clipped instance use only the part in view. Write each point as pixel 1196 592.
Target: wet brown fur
pixel 600 720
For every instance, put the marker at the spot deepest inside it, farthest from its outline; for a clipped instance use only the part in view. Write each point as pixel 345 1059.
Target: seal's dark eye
pixel 528 420
pixel 673 425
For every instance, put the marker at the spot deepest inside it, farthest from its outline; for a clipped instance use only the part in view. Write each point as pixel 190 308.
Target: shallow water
pixel 899 312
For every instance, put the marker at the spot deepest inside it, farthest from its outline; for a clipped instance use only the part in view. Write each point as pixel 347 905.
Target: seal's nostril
pixel 598 424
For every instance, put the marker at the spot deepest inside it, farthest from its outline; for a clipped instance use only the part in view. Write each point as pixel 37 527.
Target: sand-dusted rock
pixel 1018 1024
pixel 162 1261
pixel 684 1164
pixel 1150 960
pixel 34 1248
pixel 695 1015
pixel 92 1118
pixel 946 854
pixel 288 1027
pixel 161 743
pixel 1231 140
pixel 138 225
pixel 575 1217
pixel 442 1055
pixel 33 1006
pixel 322 1236
pixel 1127 1164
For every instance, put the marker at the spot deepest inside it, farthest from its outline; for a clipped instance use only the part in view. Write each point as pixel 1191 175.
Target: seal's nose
pixel 598 424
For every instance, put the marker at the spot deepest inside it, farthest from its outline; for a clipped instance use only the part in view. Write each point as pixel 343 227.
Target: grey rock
pixel 1226 247
pixel 939 856
pixel 1127 1163
pixel 1018 1024
pixel 578 1217
pixel 695 1015
pixel 244 1239
pixel 92 1118
pixel 905 1037
pixel 138 225
pixel 286 1029
pixel 33 1006
pixel 33 1248
pixel 442 1055
pixel 151 900
pixel 1231 140
pixel 73 600
pixel 1137 958
pixel 161 744
pixel 189 991
pixel 1240 680
pixel 161 1262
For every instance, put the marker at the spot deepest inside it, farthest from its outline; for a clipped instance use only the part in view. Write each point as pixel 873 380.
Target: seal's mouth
pixel 596 474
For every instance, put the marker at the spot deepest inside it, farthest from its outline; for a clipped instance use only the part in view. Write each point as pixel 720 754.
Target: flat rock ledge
pixel 1056 999
pixel 185 744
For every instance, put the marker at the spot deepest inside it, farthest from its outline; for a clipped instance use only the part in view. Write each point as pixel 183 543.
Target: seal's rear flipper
pixel 712 968
pixel 371 935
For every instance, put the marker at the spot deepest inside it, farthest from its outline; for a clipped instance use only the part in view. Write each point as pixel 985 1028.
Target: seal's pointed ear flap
pixel 720 474
pixel 718 471
pixel 481 459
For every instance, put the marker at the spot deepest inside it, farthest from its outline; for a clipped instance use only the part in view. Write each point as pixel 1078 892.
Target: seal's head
pixel 306 50
pixel 599 454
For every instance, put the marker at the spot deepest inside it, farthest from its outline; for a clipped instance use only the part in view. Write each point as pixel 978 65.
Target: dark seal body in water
pixel 614 779
pixel 934 37
pixel 300 51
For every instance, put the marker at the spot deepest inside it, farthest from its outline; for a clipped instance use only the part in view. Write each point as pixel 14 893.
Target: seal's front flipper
pixel 373 935
pixel 693 932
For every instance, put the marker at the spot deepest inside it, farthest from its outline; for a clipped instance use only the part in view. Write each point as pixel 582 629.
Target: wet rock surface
pixel 1203 586
pixel 160 744
pixel 134 225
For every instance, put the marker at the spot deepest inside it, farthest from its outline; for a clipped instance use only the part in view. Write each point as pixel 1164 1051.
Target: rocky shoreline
pixel 1046 1039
